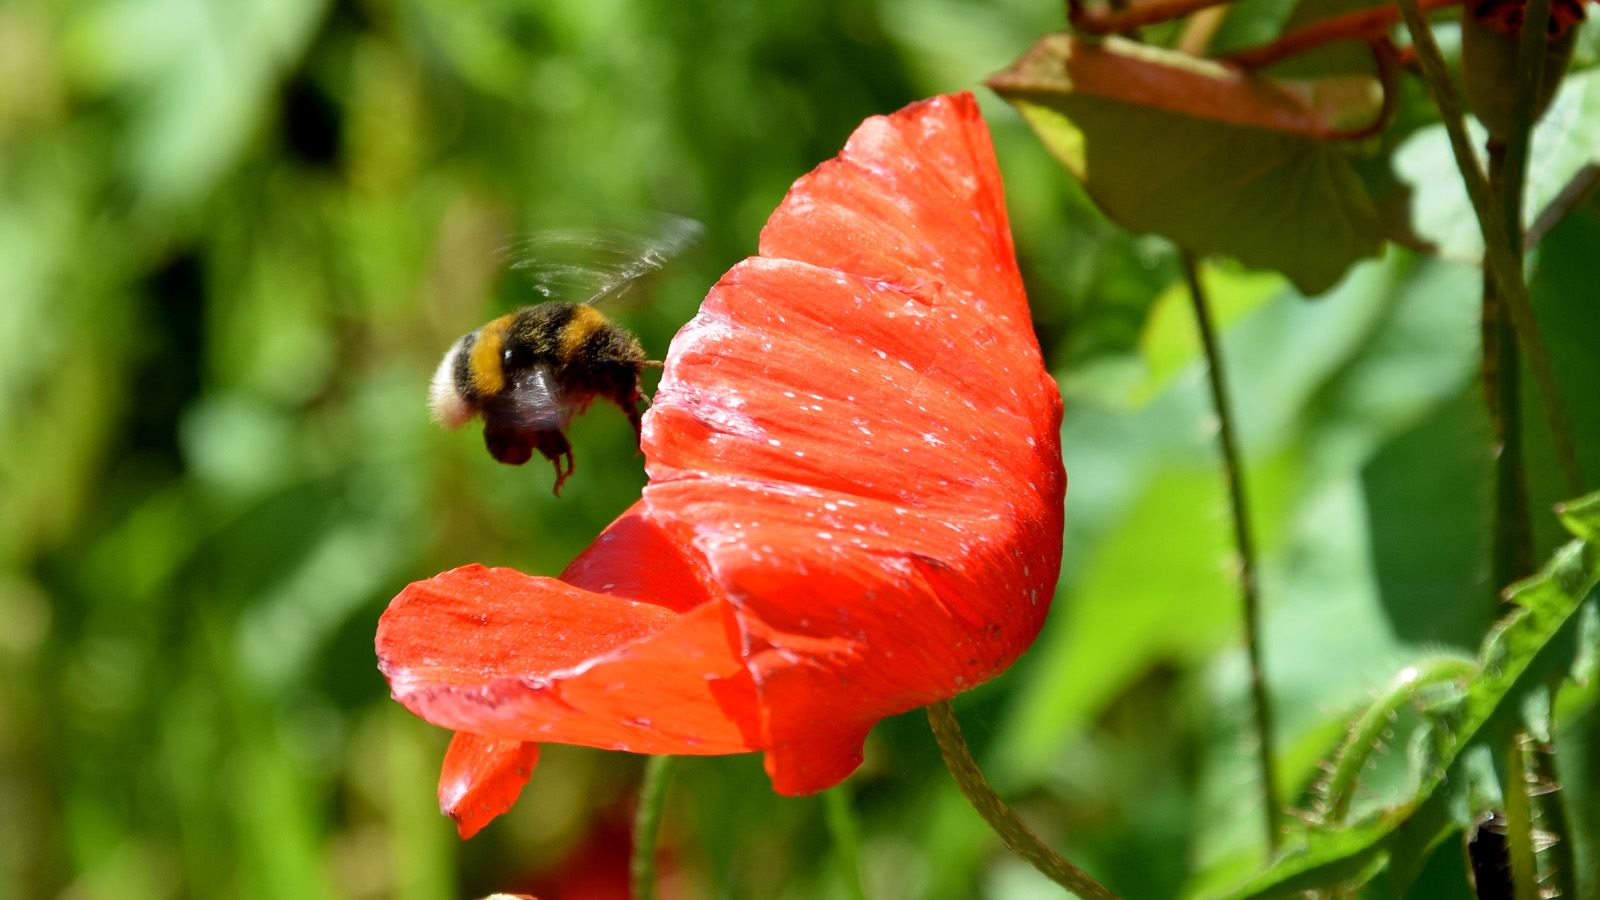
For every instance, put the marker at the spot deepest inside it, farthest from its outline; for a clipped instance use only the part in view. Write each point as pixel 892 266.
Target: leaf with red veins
pixel 481 779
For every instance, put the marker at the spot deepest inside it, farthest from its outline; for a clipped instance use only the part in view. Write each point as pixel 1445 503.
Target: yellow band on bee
pixel 488 374
pixel 584 322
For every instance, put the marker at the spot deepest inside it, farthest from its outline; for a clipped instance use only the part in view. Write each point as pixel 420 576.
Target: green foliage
pixel 1528 654
pixel 235 239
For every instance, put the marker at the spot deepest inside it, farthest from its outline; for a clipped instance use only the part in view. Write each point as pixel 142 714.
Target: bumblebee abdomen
pixel 481 372
pixel 582 334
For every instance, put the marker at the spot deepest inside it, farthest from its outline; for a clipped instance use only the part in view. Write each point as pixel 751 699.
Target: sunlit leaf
pixel 1531 648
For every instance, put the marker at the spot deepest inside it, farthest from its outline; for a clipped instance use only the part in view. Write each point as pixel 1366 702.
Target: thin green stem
pixel 1499 256
pixel 1508 174
pixel 647 826
pixel 1001 818
pixel 846 839
pixel 1248 589
pixel 1511 551
pixel 1519 821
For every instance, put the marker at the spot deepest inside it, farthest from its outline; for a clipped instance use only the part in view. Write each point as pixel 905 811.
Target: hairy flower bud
pixel 1490 32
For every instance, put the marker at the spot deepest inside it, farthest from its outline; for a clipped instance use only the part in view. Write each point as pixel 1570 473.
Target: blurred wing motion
pixel 528 372
pixel 595 265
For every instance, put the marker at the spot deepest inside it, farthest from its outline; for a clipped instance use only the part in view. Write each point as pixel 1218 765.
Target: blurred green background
pixel 236 237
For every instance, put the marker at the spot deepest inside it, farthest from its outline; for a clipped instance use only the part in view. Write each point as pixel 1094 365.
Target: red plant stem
pixel 1387 57
pixel 1120 20
pixel 1005 822
pixel 1249 591
pixel 1363 25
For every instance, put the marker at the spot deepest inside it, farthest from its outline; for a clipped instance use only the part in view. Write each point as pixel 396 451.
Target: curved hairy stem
pixel 1367 731
pixel 1519 821
pixel 1511 556
pixel 1001 818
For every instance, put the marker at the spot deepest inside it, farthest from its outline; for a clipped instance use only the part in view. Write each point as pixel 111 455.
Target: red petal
pixel 865 442
pixel 510 656
pixel 855 504
pixel 482 778
pixel 914 199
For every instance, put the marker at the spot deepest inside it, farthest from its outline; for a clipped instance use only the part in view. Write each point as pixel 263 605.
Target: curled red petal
pixel 514 657
pixel 481 778
pixel 864 438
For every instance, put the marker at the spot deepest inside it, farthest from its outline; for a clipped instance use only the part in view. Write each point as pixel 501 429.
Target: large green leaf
pixel 1531 648
pixel 1215 161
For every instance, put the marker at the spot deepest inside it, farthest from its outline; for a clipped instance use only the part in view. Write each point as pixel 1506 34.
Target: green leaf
pixel 1531 647
pixel 1217 163
pixel 1582 517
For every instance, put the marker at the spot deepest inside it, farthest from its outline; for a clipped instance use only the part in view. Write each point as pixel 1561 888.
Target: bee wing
pixel 534 402
pixel 595 265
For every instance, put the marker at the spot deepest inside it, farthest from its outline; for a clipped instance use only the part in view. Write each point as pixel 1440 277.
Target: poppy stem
pixel 1511 556
pixel 1001 818
pixel 1231 464
pixel 647 826
pixel 846 839
pixel 1501 260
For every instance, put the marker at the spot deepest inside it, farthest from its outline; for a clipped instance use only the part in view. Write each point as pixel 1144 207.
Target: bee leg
pixel 553 444
pixel 561 477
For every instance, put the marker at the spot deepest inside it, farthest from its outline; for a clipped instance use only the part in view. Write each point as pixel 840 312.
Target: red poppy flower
pixel 854 505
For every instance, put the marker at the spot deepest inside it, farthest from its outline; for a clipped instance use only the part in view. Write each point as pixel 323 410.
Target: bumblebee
pixel 529 372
